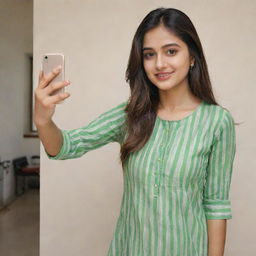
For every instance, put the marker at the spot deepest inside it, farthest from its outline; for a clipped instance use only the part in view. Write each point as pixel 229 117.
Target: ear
pixel 192 59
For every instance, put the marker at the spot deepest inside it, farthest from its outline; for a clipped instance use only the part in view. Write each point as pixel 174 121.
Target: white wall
pixel 16 18
pixel 80 198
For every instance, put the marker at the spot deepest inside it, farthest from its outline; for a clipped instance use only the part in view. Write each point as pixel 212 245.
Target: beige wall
pixel 80 198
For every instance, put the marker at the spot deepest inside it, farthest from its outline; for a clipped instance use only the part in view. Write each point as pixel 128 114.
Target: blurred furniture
pixel 23 171
pixel 1 186
pixel 5 194
pixel 35 160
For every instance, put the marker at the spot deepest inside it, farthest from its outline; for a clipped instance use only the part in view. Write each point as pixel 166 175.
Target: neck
pixel 177 98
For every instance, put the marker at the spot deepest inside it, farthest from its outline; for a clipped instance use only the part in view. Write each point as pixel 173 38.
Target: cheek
pixel 148 66
pixel 178 62
pixel 183 61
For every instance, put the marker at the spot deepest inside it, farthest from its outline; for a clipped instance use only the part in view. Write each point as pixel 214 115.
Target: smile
pixel 164 76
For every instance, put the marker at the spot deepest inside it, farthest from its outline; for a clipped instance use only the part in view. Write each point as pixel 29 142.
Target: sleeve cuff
pixel 217 209
pixel 64 148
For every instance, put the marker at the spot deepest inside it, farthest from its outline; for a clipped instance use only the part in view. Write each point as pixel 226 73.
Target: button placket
pixel 160 161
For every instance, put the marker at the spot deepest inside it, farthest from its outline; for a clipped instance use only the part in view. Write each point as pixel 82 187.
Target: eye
pixel 148 55
pixel 172 50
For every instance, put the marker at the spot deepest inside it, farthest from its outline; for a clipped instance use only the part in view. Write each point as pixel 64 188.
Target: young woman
pixel 177 143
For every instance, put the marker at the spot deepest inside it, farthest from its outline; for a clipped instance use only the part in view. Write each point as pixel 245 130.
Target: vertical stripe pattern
pixel 178 180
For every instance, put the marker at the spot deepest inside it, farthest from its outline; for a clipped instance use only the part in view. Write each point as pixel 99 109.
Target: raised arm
pixel 45 104
pixel 107 127
pixel 65 144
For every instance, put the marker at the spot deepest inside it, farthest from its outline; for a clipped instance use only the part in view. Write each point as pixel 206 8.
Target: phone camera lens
pixel 46 57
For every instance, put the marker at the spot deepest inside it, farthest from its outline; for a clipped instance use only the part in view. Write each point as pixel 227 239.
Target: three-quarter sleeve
pixel 107 127
pixel 216 201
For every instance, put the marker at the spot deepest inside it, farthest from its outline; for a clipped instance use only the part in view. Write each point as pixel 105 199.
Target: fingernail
pixel 58 68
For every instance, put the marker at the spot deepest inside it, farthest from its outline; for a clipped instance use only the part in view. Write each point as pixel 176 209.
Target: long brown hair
pixel 144 98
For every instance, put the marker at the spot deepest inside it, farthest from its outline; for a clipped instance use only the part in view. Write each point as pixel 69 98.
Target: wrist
pixel 42 122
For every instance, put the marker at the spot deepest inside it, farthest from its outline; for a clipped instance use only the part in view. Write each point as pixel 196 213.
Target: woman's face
pixel 165 53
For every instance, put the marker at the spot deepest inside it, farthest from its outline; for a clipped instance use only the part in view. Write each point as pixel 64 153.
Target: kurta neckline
pixel 183 119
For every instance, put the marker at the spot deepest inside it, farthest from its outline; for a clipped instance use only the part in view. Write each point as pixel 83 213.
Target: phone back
pixel 49 62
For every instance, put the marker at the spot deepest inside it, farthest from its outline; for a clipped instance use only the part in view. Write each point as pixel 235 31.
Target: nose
pixel 160 62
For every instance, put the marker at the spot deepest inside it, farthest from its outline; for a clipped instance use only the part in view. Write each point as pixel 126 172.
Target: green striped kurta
pixel 178 180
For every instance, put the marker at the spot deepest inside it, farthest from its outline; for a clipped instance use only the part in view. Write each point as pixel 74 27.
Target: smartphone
pixel 49 62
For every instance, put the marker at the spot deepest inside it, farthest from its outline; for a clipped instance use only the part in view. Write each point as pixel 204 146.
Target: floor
pixel 19 226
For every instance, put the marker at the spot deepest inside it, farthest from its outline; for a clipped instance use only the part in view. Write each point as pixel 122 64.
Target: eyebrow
pixel 164 46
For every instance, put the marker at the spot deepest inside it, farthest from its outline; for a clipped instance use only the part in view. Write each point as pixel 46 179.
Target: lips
pixel 163 75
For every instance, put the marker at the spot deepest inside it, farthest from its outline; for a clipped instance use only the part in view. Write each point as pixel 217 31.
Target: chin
pixel 164 86
pixel 168 85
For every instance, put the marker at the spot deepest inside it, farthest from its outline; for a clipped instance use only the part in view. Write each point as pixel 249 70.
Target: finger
pixel 49 77
pixel 40 77
pixel 56 86
pixel 55 99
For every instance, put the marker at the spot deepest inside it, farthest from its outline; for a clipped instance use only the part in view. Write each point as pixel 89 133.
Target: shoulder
pixel 218 113
pixel 221 118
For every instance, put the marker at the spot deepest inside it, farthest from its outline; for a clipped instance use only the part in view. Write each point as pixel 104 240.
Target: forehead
pixel 159 36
